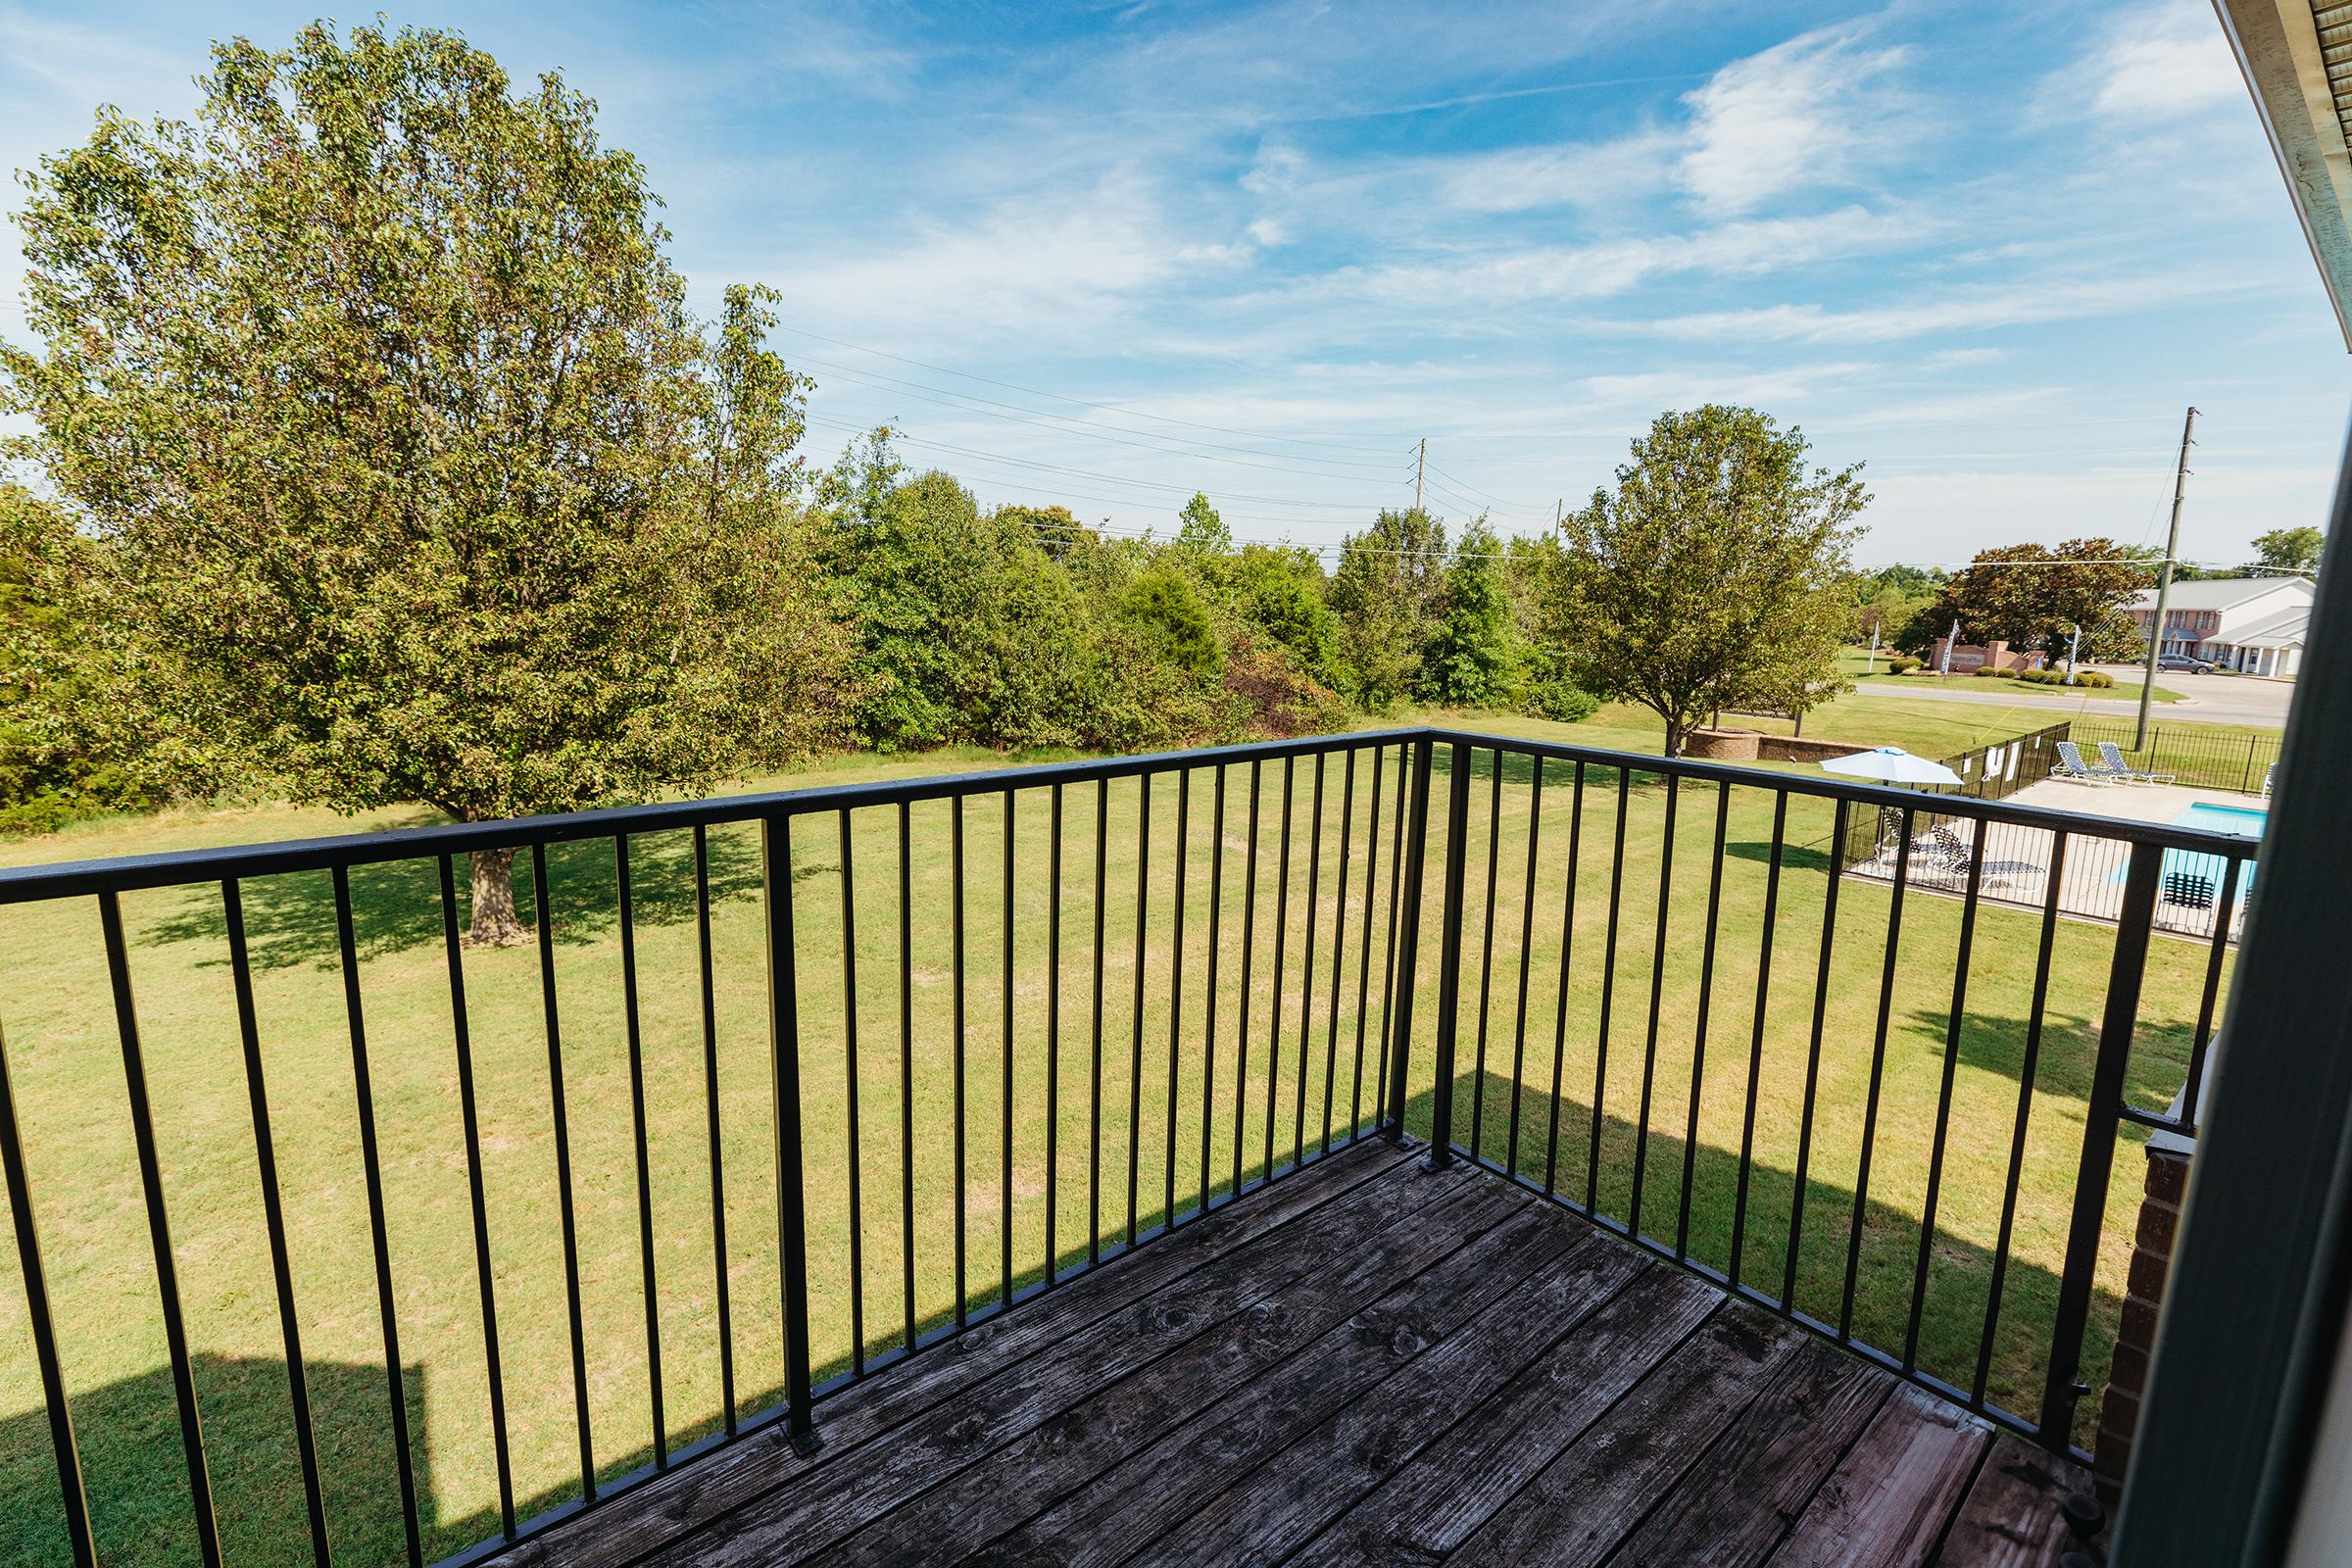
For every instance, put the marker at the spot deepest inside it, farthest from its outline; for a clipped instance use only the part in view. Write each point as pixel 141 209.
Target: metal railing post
pixel 2128 966
pixel 1408 947
pixel 1449 955
pixel 784 1083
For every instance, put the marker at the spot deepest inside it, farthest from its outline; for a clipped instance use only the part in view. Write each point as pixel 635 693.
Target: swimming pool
pixel 2242 822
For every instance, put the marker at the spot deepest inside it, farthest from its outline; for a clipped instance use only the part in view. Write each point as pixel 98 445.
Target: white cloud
pixel 1966 310
pixel 1802 112
pixel 2160 65
pixel 1584 174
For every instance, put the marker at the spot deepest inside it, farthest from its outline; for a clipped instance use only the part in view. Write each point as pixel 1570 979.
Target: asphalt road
pixel 2204 699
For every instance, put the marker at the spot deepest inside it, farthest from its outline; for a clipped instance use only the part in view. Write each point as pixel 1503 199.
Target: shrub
pixel 1996 674
pixel 1900 664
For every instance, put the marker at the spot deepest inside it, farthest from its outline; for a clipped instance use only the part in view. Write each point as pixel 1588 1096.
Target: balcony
pixel 1391 1146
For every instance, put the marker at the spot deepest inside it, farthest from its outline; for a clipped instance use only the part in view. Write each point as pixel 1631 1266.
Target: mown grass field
pixel 1154 1056
pixel 1855 664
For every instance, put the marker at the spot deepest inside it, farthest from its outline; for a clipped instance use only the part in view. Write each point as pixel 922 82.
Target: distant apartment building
pixel 2252 625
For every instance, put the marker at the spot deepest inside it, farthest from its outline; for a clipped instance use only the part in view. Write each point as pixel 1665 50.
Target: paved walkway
pixel 2205 699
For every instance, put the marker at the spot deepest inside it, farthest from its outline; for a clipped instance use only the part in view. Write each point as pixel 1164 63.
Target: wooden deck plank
pixel 1886 1504
pixel 1431 1505
pixel 1132 1505
pixel 1278 1502
pixel 2011 1517
pixel 1738 1502
pixel 1580 1505
pixel 832 1500
pixel 645 1520
pixel 1443 1249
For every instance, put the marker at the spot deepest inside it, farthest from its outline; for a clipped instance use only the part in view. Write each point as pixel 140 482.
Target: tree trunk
pixel 1674 737
pixel 494 923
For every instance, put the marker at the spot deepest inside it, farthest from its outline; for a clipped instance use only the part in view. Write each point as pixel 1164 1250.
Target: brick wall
pixel 2136 1335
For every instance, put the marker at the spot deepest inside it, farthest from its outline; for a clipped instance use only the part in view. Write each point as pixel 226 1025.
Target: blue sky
pixel 1108 255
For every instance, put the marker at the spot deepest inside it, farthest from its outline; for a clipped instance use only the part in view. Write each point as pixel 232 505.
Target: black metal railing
pixel 971 1092
pixel 2201 756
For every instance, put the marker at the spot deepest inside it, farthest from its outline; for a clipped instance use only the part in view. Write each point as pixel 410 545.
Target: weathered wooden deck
pixel 1367 1362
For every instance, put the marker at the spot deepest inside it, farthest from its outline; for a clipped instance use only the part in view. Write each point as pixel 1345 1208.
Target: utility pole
pixel 1419 464
pixel 2164 582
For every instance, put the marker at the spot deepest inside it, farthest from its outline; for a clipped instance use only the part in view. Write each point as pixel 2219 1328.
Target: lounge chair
pixel 1946 854
pixel 2113 756
pixel 2071 766
pixel 2267 774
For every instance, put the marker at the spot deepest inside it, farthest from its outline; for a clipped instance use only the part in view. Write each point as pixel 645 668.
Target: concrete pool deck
pixel 2090 885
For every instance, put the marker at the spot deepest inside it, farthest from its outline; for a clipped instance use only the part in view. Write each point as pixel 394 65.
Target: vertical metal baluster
pixel 1339 945
pixel 1307 965
pixel 1135 1059
pixel 1241 1073
pixel 1943 1104
pixel 1282 932
pixel 1363 959
pixel 718 1181
pixel 1609 992
pixel 1053 1263
pixel 1527 941
pixel 1208 1012
pixel 645 1180
pixel 1449 958
pixel 1878 1072
pixel 1167 1183
pixel 1485 962
pixel 784 1090
pixel 964 1289
pixel 2223 912
pixel 542 898
pixel 1005 1085
pixel 1093 1136
pixel 1559 1024
pixel 159 1234
pixel 1698 1047
pixel 1404 946
pixel 70 1491
pixel 1755 1043
pixel 849 1117
pixel 1388 977
pixel 1657 995
pixel 907 1068
pixel 1821 1005
pixel 2126 971
pixel 274 1216
pixel 2028 1066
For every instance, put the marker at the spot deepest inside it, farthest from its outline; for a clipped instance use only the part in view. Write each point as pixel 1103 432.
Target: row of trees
pixel 375 457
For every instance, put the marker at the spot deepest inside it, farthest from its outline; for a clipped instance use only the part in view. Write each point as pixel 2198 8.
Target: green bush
pixel 1996 674
pixel 1900 663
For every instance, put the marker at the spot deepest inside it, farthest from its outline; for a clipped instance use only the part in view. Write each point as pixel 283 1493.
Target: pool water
pixel 2241 821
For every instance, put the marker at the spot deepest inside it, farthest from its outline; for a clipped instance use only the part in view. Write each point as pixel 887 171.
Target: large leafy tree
pixel 2034 595
pixel 1475 657
pixel 1386 589
pixel 1714 574
pixel 414 475
pixel 2290 548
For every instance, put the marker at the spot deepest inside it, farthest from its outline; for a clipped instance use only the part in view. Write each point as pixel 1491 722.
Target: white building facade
pixel 2255 625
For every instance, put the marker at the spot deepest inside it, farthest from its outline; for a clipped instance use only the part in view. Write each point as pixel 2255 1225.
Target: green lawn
pixel 1851 661
pixel 67 1077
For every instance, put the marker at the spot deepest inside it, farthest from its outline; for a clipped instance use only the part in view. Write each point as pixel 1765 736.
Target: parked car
pixel 2182 662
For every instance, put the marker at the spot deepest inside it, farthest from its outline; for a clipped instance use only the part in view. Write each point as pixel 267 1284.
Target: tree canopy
pixel 1713 575
pixel 2291 548
pixel 410 468
pixel 2034 595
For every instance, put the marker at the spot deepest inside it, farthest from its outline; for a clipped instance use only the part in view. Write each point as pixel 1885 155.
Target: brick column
pixel 2136 1335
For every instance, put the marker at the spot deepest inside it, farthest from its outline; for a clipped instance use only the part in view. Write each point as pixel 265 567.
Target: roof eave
pixel 2279 50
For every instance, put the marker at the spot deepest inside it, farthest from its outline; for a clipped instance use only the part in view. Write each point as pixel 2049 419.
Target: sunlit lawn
pixel 68 1081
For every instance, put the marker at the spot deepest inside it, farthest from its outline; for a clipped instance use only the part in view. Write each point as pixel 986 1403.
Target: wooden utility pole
pixel 2164 582
pixel 1420 463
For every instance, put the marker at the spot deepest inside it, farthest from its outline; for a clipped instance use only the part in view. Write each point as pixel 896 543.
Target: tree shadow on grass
pixel 130 1437
pixel 396 905
pixel 2068 1054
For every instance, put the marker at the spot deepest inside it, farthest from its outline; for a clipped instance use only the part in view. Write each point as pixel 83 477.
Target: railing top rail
pixel 124 874
pixel 2078 823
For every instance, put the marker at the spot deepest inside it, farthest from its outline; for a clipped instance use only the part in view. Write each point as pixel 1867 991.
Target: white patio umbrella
pixel 1892 765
